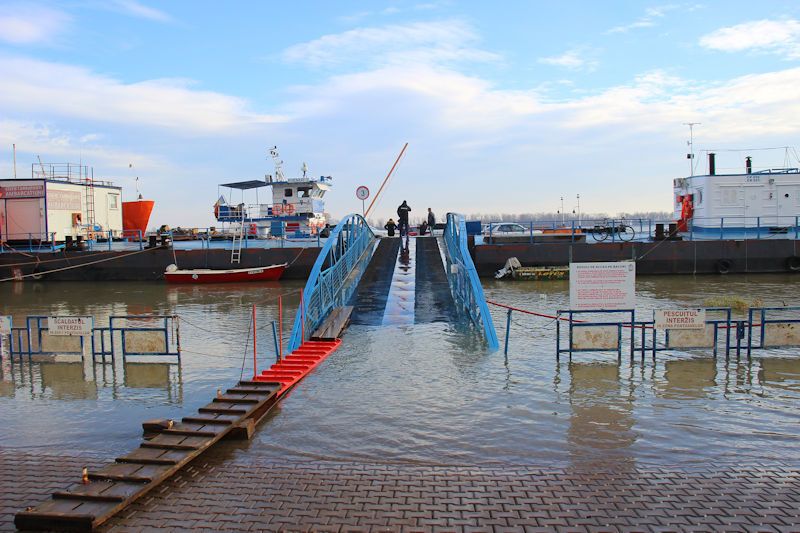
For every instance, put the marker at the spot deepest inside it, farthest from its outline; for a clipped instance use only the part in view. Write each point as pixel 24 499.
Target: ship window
pixel 113 201
pixel 304 192
pixel 730 196
pixel 698 197
pixel 287 192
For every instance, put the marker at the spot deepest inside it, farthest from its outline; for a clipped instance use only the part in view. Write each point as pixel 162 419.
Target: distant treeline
pixel 660 216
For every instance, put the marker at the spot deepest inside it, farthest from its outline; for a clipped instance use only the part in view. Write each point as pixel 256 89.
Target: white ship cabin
pixel 297 205
pixel 766 198
pixel 59 200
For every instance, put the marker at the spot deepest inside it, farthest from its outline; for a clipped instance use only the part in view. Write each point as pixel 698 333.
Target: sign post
pixel 602 286
pixel 362 193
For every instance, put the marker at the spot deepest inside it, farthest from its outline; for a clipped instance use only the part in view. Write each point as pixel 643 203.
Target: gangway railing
pixel 464 281
pixel 335 275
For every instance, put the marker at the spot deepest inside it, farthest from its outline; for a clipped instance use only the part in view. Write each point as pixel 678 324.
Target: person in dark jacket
pixel 390 227
pixel 431 220
pixel 402 218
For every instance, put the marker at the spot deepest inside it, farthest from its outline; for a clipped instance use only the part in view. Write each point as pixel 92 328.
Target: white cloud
pixel 30 24
pixel 772 36
pixel 168 103
pixel 419 42
pixel 571 59
pixel 137 9
pixel 651 15
pixel 52 143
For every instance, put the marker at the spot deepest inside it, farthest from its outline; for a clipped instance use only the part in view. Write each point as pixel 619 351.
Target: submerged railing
pixel 335 275
pixel 464 281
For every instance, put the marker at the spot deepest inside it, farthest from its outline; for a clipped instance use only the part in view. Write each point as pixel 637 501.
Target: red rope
pixel 557 317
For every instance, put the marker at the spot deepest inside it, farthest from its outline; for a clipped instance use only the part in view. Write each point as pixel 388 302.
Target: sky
pixel 507 106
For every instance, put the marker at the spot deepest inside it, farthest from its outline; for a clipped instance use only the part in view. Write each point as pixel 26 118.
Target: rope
pixel 65 258
pixel 14 278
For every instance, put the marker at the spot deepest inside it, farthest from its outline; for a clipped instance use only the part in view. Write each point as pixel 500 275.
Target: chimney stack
pixel 748 165
pixel 712 164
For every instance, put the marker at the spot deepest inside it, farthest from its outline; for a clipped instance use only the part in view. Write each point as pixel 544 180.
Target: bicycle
pixel 622 231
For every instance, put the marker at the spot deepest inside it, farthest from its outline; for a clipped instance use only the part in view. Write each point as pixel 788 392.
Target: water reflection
pixel 66 381
pixel 688 379
pixel 780 373
pixel 602 419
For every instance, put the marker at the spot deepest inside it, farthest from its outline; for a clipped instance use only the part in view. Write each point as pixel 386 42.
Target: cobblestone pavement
pixel 222 492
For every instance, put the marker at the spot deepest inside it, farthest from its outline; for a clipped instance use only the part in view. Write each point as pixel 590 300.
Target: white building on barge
pixel 767 201
pixel 57 201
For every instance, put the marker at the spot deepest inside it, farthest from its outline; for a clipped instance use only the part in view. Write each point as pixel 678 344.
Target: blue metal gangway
pixel 342 262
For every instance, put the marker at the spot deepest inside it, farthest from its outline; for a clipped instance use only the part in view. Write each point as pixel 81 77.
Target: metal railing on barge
pixel 642 230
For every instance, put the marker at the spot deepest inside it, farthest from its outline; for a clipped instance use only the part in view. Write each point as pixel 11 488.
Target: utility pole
pixel 690 155
pixel 562 211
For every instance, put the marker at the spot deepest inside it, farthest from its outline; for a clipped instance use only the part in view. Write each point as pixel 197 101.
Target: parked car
pixel 508 229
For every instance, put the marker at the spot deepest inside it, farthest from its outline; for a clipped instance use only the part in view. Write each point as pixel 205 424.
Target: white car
pixel 508 229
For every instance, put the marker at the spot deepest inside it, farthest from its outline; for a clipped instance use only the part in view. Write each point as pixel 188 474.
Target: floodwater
pixel 424 394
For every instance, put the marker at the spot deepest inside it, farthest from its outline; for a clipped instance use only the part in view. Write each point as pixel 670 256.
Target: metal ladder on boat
pixel 236 244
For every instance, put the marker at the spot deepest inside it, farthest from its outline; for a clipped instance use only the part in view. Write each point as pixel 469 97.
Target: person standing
pixel 402 218
pixel 390 227
pixel 431 220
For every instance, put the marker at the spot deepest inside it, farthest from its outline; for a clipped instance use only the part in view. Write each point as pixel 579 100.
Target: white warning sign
pixel 70 325
pixel 594 286
pixel 679 319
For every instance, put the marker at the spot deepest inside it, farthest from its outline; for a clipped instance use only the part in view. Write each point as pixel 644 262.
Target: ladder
pixel 236 244
pixel 89 193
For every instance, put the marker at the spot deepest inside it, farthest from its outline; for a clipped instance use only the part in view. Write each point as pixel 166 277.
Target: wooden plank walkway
pixel 104 492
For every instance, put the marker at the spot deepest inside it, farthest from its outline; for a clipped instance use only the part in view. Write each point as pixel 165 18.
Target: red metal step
pixel 298 364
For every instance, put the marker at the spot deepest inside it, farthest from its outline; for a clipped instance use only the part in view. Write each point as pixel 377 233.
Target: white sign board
pixel 70 325
pixel 5 325
pixel 594 286
pixel 679 319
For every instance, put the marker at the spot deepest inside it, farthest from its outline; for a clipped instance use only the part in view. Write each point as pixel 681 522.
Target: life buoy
pixel 289 209
pixel 793 263
pixel 724 266
pixel 253 229
pixel 277 209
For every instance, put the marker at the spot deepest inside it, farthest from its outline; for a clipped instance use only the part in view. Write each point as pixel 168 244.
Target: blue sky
pixel 507 106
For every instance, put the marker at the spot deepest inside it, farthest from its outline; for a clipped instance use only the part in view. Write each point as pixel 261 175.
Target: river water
pixel 426 394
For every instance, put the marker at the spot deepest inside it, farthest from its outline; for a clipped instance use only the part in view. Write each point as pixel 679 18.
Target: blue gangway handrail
pixel 335 275
pixel 464 281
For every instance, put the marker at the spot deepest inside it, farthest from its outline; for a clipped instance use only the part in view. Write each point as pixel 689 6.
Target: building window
pixel 113 201
pixel 287 193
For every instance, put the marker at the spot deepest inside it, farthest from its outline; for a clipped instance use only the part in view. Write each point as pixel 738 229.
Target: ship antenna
pixel 278 163
pixel 690 155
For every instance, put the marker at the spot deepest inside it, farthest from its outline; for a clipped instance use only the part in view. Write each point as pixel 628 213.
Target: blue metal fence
pixel 335 275
pixel 158 335
pixel 464 281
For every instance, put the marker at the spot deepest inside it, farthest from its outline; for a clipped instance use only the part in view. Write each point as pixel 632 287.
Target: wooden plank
pixel 87 506
pixel 334 324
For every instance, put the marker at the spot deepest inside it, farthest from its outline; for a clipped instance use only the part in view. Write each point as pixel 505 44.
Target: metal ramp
pixel 352 270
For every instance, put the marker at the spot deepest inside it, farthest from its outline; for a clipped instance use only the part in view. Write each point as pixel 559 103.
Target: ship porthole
pixel 724 266
pixel 793 263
